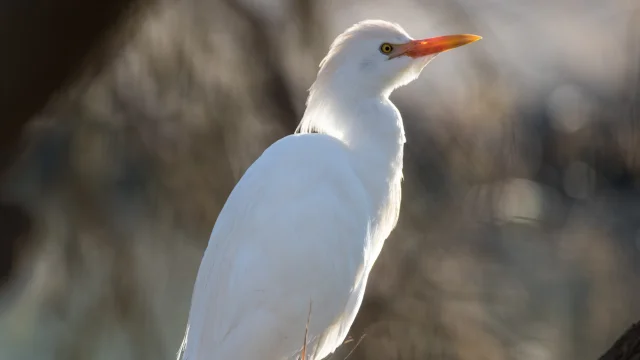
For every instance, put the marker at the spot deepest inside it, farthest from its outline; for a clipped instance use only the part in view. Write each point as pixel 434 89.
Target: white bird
pixel 304 225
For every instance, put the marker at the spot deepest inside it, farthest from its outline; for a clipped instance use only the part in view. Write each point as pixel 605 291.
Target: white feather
pixel 308 219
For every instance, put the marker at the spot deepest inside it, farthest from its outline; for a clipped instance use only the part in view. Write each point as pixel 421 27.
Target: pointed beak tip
pixel 465 39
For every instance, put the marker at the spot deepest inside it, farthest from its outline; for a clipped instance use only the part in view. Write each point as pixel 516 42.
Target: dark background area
pixel 124 126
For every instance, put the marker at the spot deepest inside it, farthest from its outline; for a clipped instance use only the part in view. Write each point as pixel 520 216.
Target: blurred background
pixel 519 235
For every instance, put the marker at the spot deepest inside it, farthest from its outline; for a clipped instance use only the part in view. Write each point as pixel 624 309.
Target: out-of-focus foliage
pixel 519 236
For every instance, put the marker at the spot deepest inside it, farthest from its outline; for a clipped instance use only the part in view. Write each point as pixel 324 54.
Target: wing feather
pixel 293 232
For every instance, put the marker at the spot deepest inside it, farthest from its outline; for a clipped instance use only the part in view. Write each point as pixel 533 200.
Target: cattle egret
pixel 306 222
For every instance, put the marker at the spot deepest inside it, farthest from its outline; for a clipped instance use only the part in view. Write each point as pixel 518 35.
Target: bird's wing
pixel 292 235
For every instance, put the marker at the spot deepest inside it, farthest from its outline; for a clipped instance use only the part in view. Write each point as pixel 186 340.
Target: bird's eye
pixel 386 48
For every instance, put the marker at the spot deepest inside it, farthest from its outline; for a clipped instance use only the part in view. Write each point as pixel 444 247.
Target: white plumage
pixel 306 222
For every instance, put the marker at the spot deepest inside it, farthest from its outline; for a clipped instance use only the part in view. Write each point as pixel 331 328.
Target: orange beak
pixel 435 45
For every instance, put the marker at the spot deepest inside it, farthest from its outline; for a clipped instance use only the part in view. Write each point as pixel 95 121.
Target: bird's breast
pixel 386 217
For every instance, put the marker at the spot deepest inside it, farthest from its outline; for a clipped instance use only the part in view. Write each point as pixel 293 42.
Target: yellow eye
pixel 386 48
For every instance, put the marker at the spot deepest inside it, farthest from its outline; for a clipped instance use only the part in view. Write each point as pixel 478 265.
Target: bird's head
pixel 375 57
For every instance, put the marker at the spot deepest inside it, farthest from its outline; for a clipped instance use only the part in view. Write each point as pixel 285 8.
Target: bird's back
pixel 293 235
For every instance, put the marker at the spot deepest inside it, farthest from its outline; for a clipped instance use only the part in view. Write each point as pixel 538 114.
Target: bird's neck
pixel 371 126
pixel 354 118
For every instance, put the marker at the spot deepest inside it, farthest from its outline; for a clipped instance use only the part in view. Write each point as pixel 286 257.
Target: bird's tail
pixel 183 345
